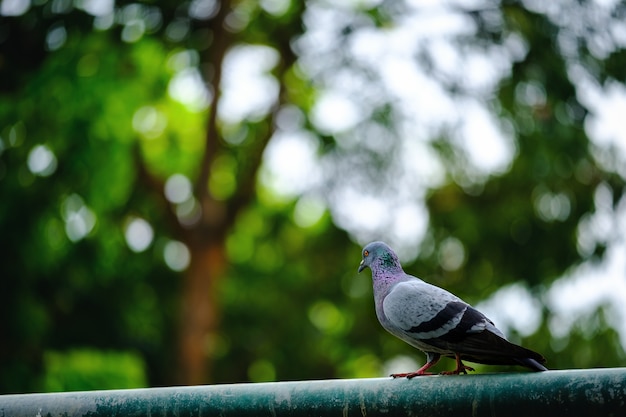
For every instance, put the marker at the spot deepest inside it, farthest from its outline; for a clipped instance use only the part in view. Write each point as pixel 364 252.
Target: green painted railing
pixel 597 392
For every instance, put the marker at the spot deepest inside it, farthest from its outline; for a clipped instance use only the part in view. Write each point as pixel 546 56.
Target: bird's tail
pixel 531 364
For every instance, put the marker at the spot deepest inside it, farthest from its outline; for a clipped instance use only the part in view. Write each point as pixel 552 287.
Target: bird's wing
pixel 423 310
pixel 437 318
pixel 488 348
pixel 477 339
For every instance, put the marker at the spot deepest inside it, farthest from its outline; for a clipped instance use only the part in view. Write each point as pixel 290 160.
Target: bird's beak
pixel 362 266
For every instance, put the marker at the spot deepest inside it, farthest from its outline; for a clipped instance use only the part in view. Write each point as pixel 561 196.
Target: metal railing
pixel 590 392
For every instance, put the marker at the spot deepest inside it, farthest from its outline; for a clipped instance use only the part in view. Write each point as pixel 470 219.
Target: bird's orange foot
pixel 460 370
pixel 410 375
pixel 432 360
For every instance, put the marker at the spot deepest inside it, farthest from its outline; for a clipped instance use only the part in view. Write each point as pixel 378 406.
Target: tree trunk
pixel 200 310
pixel 206 242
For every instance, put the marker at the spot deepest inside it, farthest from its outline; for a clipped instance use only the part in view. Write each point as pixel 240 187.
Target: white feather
pixel 412 303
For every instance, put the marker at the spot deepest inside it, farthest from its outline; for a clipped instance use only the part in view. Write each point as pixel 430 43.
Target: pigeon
pixel 436 321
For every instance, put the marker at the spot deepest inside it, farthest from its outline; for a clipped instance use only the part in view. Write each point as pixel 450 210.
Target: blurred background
pixel 185 187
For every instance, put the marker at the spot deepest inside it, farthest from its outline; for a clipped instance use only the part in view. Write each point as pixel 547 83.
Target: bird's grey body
pixel 434 320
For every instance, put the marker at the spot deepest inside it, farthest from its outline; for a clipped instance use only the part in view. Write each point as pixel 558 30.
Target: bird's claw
pixel 460 370
pixel 410 375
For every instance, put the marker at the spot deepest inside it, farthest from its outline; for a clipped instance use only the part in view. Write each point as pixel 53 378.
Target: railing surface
pixel 595 392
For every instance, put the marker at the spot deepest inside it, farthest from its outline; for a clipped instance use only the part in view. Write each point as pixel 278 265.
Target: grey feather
pixel 436 321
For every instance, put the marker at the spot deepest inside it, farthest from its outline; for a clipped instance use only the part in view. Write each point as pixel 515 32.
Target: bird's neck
pixel 384 281
pixel 386 276
pixel 388 261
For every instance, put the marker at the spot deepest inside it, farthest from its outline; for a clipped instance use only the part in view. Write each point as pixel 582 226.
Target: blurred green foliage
pixel 89 369
pixel 87 126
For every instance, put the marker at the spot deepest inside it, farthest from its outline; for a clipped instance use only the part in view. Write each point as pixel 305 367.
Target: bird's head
pixel 378 253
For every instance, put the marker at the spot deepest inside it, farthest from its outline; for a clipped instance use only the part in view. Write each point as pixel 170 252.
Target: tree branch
pixel 216 53
pixel 155 186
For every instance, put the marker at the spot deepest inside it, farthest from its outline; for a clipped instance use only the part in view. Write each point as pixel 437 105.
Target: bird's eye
pixel 366 253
